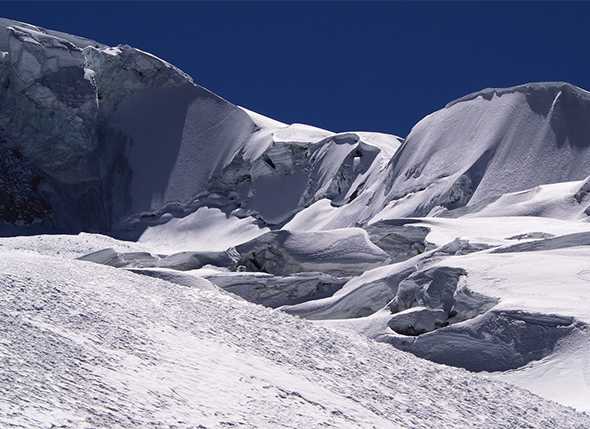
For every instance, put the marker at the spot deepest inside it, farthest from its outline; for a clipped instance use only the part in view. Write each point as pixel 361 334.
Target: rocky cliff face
pixel 46 124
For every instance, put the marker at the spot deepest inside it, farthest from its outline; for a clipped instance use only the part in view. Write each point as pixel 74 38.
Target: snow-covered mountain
pixel 383 262
pixel 111 139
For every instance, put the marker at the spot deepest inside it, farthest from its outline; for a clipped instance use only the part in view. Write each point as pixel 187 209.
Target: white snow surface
pixel 544 282
pixel 205 229
pixel 67 246
pixel 531 274
pixel 556 200
pixel 495 230
pixel 263 121
pixel 92 346
pixel 491 143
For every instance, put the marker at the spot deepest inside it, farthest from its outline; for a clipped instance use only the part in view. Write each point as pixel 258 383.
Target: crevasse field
pixel 170 259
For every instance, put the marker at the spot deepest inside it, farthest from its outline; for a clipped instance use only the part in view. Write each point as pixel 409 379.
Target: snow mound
pixel 275 291
pixel 360 296
pixel 205 229
pixel 67 246
pixel 474 298
pixel 182 261
pixel 494 230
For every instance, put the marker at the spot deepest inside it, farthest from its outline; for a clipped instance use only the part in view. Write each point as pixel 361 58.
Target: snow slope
pixel 507 140
pixel 495 230
pixel 486 154
pixel 86 345
pixel 516 307
pixel 341 252
pixel 554 283
pixel 205 229
pixel 565 200
pixel 465 244
pixel 67 246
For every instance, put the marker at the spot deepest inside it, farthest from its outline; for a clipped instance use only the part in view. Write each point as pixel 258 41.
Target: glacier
pixel 171 259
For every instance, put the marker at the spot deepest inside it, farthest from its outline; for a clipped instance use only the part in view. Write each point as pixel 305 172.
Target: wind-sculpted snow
pixel 548 243
pixel 182 261
pixel 68 246
pixel 433 302
pixel 494 230
pixel 175 276
pixel 85 345
pixel 399 238
pixel 361 296
pixel 166 145
pixel 340 252
pixel 492 314
pixel 496 341
pixel 541 313
pixel 488 144
pixel 205 229
pixel 275 291
pixel 567 200
pixel 477 157
pixel 465 244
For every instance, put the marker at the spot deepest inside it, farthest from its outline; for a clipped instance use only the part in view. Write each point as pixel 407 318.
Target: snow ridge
pixel 525 88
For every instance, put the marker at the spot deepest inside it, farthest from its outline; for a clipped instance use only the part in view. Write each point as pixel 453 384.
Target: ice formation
pixel 146 222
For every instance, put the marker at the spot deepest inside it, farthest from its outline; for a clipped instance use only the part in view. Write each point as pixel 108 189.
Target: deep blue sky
pixel 342 66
